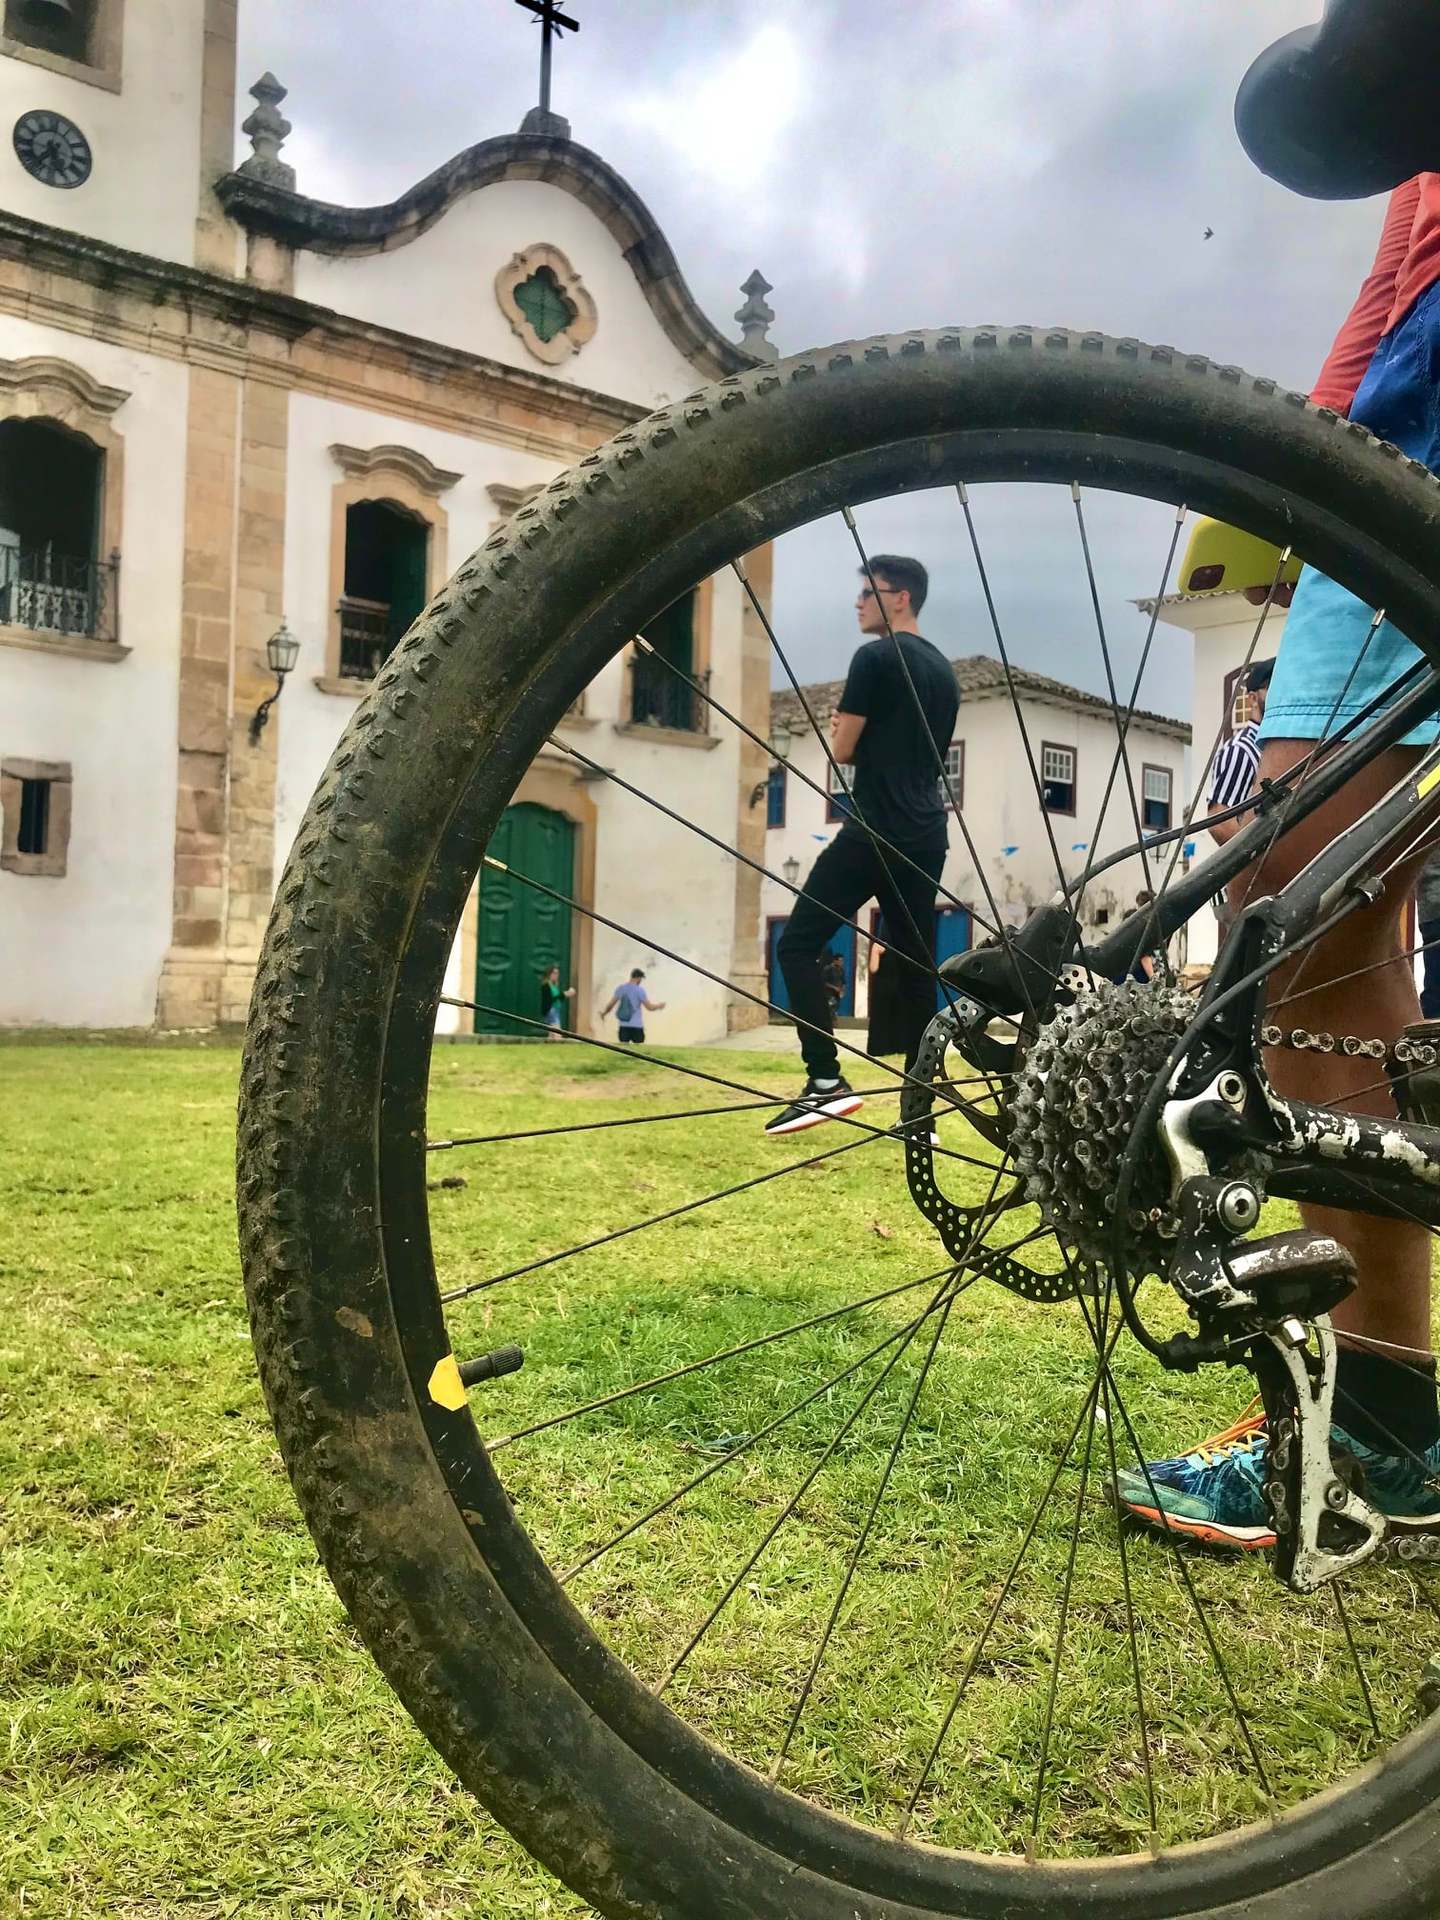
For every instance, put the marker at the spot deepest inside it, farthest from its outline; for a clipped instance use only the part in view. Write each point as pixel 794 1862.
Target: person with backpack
pixel 631 1004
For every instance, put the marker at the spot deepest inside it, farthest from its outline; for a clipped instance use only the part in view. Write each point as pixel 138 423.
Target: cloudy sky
pixel 891 166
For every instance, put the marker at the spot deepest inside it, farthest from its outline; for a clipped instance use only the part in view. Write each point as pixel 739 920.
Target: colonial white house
pixel 1072 735
pixel 231 412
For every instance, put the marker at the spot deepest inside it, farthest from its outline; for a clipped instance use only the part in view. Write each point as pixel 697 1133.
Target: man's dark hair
pixel 1257 675
pixel 637 973
pixel 900 572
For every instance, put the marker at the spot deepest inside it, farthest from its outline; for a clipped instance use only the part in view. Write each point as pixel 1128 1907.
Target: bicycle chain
pixel 1401 1053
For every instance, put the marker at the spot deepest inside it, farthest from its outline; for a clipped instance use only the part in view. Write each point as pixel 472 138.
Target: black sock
pixel 1387 1404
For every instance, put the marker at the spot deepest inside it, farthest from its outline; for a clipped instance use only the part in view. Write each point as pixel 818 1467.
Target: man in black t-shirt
pixel 894 722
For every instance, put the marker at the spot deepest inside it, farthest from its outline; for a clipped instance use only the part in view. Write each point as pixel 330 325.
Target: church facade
pixel 231 412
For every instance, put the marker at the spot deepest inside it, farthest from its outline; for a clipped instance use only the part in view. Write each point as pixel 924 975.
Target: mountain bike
pixel 661 1517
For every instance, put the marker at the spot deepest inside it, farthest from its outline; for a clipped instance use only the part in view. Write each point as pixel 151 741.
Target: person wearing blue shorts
pixel 1384 372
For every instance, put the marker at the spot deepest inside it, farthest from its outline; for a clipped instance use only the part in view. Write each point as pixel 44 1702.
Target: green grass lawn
pixel 192 1727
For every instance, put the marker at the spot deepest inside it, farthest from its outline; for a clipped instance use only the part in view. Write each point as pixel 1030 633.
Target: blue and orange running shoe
pixel 1216 1493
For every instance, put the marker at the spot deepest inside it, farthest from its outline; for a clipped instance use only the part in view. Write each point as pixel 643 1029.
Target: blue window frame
pixel 775 798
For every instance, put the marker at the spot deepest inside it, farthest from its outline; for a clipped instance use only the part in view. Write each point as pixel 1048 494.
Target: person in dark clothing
pixel 832 973
pixel 894 722
pixel 552 1003
pixel 887 1032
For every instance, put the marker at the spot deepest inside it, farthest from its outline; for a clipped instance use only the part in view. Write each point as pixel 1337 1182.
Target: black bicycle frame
pixel 1151 926
pixel 1342 1160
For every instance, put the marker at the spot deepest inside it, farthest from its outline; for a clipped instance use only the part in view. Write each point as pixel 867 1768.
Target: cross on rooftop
pixel 553 24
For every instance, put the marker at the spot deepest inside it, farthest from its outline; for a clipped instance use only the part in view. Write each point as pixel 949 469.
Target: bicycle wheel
pixel 813 1687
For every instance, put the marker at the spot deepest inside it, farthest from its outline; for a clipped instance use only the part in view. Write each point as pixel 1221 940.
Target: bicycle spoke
pixel 963 495
pixel 715 1359
pixel 694 966
pixel 1130 710
pixel 653 1220
pixel 1341 1609
pixel 692 1113
pixel 716 706
pixel 878 845
pixel 1187 825
pixel 977 1652
pixel 1173 1541
pixel 937 754
pixel 1401 1447
pixel 1091 581
pixel 748 1444
pixel 1359 973
pixel 875 841
pixel 931 972
pixel 656 1061
pixel 1058 1654
pixel 792 1503
pixel 1010 1248
pixel 1130 1629
pixel 865 1532
pixel 1286 811
pixel 859 1547
pixel 629 1120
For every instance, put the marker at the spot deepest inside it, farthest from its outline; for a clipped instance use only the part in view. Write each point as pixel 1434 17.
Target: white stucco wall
pixel 442 285
pixel 1001 810
pixel 143 190
pixel 651 873
pixel 86 949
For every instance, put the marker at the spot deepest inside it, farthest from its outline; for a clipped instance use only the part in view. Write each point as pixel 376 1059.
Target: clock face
pixel 52 148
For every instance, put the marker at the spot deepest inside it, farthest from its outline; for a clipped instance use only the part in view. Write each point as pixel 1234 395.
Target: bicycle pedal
pixel 1414 1068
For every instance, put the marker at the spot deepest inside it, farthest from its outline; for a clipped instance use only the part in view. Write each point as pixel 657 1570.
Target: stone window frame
pixel 51 864
pixel 107 38
pixel 581 330
pixel 701 660
pixel 405 479
pixel 57 392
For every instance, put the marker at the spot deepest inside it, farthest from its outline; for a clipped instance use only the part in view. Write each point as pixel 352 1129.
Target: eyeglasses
pixel 869 593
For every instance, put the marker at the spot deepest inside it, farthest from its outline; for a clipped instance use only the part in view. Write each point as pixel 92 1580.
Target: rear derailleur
pixel 1266 1303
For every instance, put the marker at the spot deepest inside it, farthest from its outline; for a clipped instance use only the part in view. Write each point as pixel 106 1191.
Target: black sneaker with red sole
pixel 814 1106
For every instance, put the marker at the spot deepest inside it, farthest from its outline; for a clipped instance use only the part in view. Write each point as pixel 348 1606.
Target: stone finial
pixel 550 126
pixel 267 128
pixel 755 317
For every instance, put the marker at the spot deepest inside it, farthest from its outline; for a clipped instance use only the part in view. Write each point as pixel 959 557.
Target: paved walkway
pixel 766 1039
pixel 777 1038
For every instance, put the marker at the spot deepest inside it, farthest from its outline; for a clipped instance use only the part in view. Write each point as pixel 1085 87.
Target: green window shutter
pixel 544 305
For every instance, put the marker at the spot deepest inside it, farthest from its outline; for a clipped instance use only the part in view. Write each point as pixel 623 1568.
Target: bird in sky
pixel 1209 233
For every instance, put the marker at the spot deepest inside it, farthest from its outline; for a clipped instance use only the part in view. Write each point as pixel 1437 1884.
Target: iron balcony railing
pixel 659 698
pixel 368 632
pixel 56 593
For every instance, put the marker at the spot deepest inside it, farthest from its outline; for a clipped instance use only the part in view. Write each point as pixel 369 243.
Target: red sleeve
pixel 1355 343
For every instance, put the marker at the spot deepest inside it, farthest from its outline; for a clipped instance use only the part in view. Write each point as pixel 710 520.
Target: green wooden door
pixel 522 931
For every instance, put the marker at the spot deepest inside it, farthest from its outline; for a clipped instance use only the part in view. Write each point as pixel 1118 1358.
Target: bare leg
pixel 1392 1300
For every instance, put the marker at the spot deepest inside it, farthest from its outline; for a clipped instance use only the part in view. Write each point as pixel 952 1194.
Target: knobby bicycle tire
pixel 598 1779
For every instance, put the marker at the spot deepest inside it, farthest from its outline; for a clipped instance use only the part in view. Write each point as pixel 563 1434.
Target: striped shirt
pixel 1236 765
